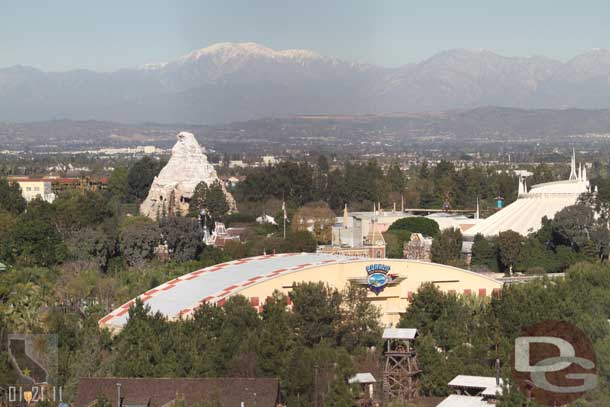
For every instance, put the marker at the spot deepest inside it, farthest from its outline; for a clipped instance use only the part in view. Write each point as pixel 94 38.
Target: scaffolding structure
pixel 401 373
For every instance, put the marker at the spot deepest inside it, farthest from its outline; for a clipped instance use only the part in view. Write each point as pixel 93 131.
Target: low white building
pixel 473 391
pixel 32 188
pixel 266 219
pixel 237 164
pixel 269 160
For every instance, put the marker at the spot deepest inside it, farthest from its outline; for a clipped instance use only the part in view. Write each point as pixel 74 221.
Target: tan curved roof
pixel 181 296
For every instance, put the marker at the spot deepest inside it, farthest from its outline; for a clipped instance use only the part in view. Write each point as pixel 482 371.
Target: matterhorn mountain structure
pixel 229 82
pixel 173 188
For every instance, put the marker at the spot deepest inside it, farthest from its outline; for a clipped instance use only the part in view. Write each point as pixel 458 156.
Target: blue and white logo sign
pixel 378 277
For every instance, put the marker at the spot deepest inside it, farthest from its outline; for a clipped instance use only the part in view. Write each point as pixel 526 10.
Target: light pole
pixel 118 390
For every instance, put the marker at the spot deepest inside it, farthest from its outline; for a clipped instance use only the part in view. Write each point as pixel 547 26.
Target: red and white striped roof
pixel 182 295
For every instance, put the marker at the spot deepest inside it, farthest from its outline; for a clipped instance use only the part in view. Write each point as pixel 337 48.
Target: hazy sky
pixel 106 35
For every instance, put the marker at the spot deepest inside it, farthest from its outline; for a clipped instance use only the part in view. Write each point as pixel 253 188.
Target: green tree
pixel 140 177
pixel 425 308
pixel 23 305
pixel 301 242
pixel 215 201
pixel 417 224
pixel 339 394
pixel 140 350
pixel 573 225
pixel 77 210
pixel 183 236
pixel 138 238
pixel 7 222
pixel 118 184
pixel 359 326
pixel 11 199
pixel 92 245
pixel 542 173
pixel 238 338
pixel 485 252
pixel 197 202
pixel 534 256
pixel 447 248
pixel 34 241
pixel 396 178
pixel 316 311
pixel 510 244
pixel 276 340
pixel 395 240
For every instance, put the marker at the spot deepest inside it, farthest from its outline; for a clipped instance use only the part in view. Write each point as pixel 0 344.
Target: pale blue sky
pixel 106 35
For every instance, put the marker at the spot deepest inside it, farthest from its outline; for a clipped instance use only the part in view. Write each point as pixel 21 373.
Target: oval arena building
pixel 391 283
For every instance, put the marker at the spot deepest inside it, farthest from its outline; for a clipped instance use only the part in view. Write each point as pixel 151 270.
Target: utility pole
pixel 315 385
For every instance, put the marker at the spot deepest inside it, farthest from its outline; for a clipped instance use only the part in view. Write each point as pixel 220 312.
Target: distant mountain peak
pixel 235 81
pixel 224 51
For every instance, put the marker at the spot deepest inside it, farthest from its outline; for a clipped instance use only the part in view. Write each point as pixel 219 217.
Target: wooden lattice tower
pixel 401 376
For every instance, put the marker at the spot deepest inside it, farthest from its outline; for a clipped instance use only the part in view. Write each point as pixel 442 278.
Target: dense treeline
pixel 362 184
pixel 575 234
pixel 465 335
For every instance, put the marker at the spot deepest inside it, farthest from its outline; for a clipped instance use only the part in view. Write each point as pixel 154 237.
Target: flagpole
pixel 285 216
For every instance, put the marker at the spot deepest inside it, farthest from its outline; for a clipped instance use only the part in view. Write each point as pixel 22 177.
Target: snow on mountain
pixel 239 81
pixel 226 51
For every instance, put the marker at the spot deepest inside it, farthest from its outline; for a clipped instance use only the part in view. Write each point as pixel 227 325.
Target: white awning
pixel 400 333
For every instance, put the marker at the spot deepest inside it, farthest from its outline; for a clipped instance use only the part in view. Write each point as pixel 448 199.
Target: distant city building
pixel 147 149
pixel 269 160
pixel 361 233
pixel 418 247
pixel 80 184
pixel 35 188
pixel 237 164
pixel 357 234
pixel 48 188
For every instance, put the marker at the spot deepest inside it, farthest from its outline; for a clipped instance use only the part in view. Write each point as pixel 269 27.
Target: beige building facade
pixel 391 283
pixel 394 299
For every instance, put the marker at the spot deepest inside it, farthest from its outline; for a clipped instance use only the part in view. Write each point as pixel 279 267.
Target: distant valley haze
pixel 228 82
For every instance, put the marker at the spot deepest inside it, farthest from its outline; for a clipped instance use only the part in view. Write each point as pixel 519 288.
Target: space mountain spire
pixel 520 190
pixel 573 175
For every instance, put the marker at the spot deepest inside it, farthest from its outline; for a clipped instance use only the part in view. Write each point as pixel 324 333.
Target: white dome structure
pixel 525 215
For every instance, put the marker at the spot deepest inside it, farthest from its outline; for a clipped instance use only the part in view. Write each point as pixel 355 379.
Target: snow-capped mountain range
pixel 240 81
